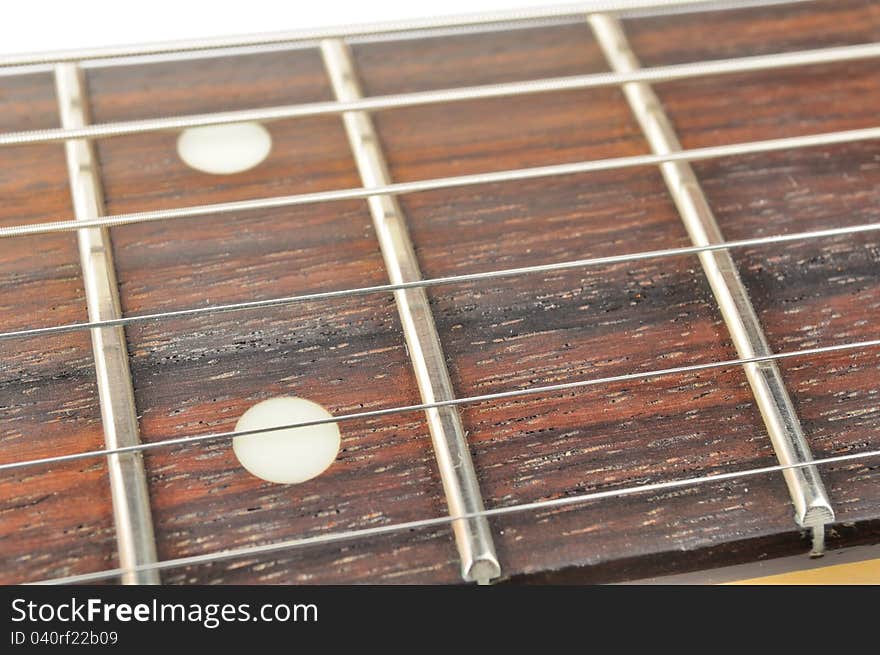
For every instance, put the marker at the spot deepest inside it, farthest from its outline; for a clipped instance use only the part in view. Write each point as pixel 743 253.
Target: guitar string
pixel 374 531
pixel 439 183
pixel 446 280
pixel 465 400
pixel 376 38
pixel 519 15
pixel 758 63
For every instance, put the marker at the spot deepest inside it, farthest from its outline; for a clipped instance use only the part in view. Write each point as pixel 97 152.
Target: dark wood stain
pixel 197 375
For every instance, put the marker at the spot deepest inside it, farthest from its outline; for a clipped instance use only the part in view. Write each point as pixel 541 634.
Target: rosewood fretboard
pixel 196 375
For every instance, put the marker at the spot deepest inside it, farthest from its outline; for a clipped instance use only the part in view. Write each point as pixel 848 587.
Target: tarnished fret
pixel 473 536
pixel 811 502
pixel 128 486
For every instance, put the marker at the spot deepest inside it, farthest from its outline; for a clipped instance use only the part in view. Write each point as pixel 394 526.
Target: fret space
pixel 194 376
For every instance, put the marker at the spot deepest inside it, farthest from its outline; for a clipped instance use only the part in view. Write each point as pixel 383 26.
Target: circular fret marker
pixel 288 455
pixel 224 149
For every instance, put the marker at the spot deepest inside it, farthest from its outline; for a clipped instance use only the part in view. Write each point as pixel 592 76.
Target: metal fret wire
pixel 650 75
pixel 126 476
pixel 347 535
pixel 812 505
pixel 466 400
pixel 434 184
pixel 452 279
pixel 315 34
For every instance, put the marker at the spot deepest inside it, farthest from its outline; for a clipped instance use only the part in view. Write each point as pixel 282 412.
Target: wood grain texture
pixel 197 375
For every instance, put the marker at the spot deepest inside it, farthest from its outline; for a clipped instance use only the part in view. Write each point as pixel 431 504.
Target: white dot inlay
pixel 224 149
pixel 290 455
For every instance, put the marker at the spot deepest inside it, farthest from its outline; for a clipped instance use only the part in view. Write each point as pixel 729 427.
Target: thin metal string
pixel 438 281
pixel 434 184
pixel 466 400
pixel 427 33
pixel 344 31
pixel 375 531
pixel 482 92
pixel 382 37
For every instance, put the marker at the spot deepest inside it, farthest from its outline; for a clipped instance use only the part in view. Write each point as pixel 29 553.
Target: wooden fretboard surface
pixel 198 375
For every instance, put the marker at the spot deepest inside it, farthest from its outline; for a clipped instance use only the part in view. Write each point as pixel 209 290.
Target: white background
pixel 38 25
